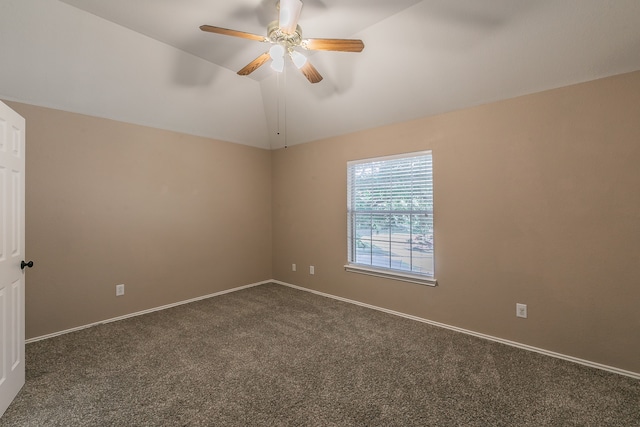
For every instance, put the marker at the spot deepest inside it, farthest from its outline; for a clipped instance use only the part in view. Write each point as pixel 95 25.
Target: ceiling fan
pixel 285 35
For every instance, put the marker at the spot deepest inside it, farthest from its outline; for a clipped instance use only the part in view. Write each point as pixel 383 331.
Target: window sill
pixel 389 274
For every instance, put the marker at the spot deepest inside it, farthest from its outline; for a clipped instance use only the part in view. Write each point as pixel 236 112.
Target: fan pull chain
pixel 285 106
pixel 278 103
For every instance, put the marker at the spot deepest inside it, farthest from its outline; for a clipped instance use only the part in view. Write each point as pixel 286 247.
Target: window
pixel 390 217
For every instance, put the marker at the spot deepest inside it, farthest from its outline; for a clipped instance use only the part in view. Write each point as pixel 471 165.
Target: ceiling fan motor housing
pixel 276 35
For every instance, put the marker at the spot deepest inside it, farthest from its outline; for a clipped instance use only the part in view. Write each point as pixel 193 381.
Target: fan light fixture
pixel 277 57
pixel 278 65
pixel 277 52
pixel 298 59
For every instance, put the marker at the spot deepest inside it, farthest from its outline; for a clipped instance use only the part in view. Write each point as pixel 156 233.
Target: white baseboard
pixel 584 362
pixel 140 313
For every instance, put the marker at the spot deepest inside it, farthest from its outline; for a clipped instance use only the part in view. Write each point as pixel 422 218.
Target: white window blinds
pixel 390 213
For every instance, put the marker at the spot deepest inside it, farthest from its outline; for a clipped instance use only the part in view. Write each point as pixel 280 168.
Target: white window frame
pixel 427 278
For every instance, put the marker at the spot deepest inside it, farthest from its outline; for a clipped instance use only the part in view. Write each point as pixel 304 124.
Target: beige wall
pixel 171 216
pixel 537 201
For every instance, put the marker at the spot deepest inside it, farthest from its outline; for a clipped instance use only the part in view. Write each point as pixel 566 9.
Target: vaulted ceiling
pixel 147 62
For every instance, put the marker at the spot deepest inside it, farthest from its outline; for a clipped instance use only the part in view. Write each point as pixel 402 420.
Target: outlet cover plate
pixel 521 310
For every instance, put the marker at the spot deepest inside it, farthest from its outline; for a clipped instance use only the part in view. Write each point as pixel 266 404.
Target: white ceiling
pixel 147 62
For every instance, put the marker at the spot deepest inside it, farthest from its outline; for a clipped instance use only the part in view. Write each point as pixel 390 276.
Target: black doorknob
pixel 26 264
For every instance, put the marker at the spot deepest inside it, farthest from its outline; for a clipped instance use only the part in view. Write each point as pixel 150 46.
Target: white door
pixel 12 150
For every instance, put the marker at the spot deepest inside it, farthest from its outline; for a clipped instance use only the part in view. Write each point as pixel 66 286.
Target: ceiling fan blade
pixel 234 33
pixel 340 45
pixel 310 72
pixel 254 65
pixel 289 15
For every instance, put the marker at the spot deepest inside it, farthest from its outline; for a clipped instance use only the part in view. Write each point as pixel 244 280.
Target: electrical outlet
pixel 312 270
pixel 293 267
pixel 521 310
pixel 119 290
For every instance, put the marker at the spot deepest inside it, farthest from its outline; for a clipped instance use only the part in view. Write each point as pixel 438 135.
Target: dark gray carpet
pixel 275 356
